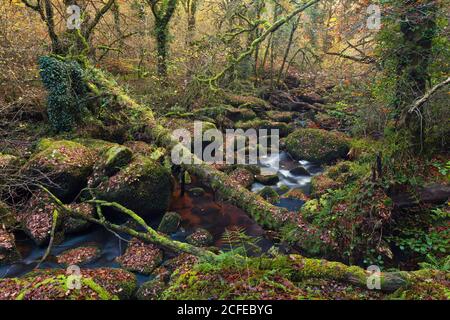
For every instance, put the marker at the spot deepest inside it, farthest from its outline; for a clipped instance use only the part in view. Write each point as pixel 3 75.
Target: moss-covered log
pixel 144 123
pixel 149 234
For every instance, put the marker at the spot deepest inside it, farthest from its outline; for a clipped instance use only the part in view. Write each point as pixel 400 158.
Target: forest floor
pixel 354 204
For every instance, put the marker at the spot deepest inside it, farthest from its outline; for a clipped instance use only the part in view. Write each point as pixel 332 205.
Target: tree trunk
pixel 161 44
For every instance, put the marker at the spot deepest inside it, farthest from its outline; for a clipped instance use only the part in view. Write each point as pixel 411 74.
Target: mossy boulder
pixel 116 158
pixel 75 225
pixel 269 194
pixel 242 176
pixel 241 114
pixel 317 145
pixel 296 194
pixel 336 177
pixel 151 290
pixel 200 238
pixel 170 223
pixel 37 218
pixel 67 163
pixel 141 257
pixel 256 104
pixel 280 116
pixel 52 284
pixel 144 186
pixel 79 256
pixel 8 250
pixel 257 124
pixel 268 180
pixel 8 165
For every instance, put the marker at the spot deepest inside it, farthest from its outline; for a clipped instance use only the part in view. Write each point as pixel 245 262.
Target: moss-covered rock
pixel 335 177
pixel 269 195
pixel 317 145
pixel 296 194
pixel 268 180
pixel 257 124
pixel 78 256
pixel 151 290
pixel 242 176
pixel 75 225
pixel 141 257
pixel 67 163
pixel 241 114
pixel 196 192
pixel 8 250
pixel 53 284
pixel 37 218
pixel 200 238
pixel 256 104
pixel 144 186
pixel 170 223
pixel 280 116
pixel 116 158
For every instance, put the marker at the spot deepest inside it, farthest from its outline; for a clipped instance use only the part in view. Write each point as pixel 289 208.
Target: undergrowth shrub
pixel 64 82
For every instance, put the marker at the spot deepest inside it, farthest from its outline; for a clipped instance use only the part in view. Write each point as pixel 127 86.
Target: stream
pixel 196 212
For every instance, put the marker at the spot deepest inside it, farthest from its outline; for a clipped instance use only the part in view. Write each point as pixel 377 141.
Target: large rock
pixel 8 250
pixel 67 163
pixel 51 284
pixel 170 223
pixel 257 124
pixel 317 145
pixel 200 238
pixel 116 158
pixel 141 257
pixel 151 290
pixel 37 217
pixel 269 194
pixel 144 186
pixel 242 176
pixel 78 256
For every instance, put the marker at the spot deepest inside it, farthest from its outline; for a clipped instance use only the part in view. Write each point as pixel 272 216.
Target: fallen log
pixel 306 268
pixel 432 194
pixel 150 131
pixel 299 266
pixel 149 233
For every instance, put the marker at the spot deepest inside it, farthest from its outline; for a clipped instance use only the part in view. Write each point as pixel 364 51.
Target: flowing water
pixel 201 211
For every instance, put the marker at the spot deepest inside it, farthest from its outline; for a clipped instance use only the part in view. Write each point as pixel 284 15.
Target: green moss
pixel 151 290
pixel 269 194
pixel 144 186
pixel 284 129
pixel 316 145
pixel 116 157
pixel 169 223
pixel 52 284
pixel 200 238
pixel 67 163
